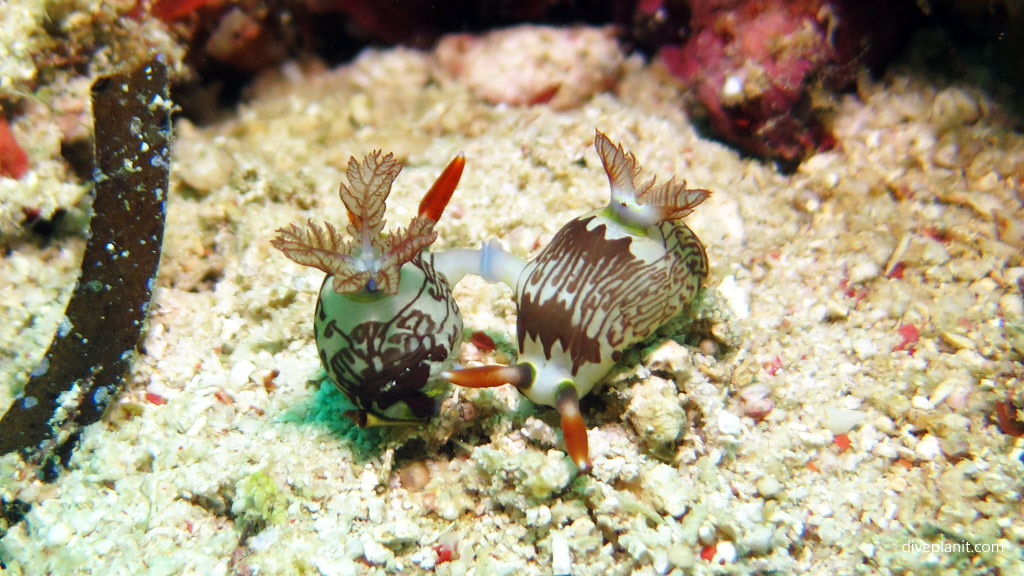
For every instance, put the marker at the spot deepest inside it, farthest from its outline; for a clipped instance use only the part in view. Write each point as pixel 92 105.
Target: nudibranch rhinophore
pixel 385 321
pixel 607 280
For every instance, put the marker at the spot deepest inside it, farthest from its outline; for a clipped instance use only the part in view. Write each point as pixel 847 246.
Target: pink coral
pixel 527 65
pixel 755 65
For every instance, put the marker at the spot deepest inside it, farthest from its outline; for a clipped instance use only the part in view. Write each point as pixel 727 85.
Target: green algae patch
pixel 326 408
pixel 258 503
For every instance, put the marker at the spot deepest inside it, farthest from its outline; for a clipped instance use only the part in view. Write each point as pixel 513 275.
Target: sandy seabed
pixel 872 298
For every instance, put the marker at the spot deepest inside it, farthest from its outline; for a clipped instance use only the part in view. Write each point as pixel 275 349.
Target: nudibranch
pixel 607 280
pixel 385 321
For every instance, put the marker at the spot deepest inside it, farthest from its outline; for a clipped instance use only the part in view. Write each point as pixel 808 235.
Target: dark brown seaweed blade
pixel 94 345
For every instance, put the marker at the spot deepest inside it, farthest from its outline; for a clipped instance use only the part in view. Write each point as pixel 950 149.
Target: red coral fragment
pixel 936 234
pixel 444 553
pixel 773 366
pixel 32 214
pixel 1006 418
pixel 897 271
pixel 904 463
pixel 858 293
pixel 842 442
pixel 154 398
pixel 707 553
pixel 909 335
pixel 223 398
pixel 13 160
pixel 482 341
pixel 268 381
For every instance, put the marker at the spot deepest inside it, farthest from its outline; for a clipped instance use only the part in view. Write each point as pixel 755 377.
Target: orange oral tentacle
pixel 574 430
pixel 489 376
pixel 436 199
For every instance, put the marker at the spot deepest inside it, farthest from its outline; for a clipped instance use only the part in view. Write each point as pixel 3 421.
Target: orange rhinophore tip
pixel 519 375
pixel 433 204
pixel 574 430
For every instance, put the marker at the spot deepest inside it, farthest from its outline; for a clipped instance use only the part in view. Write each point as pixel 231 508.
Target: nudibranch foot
pixel 366 419
pixel 522 376
pixel 518 375
pixel 574 430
